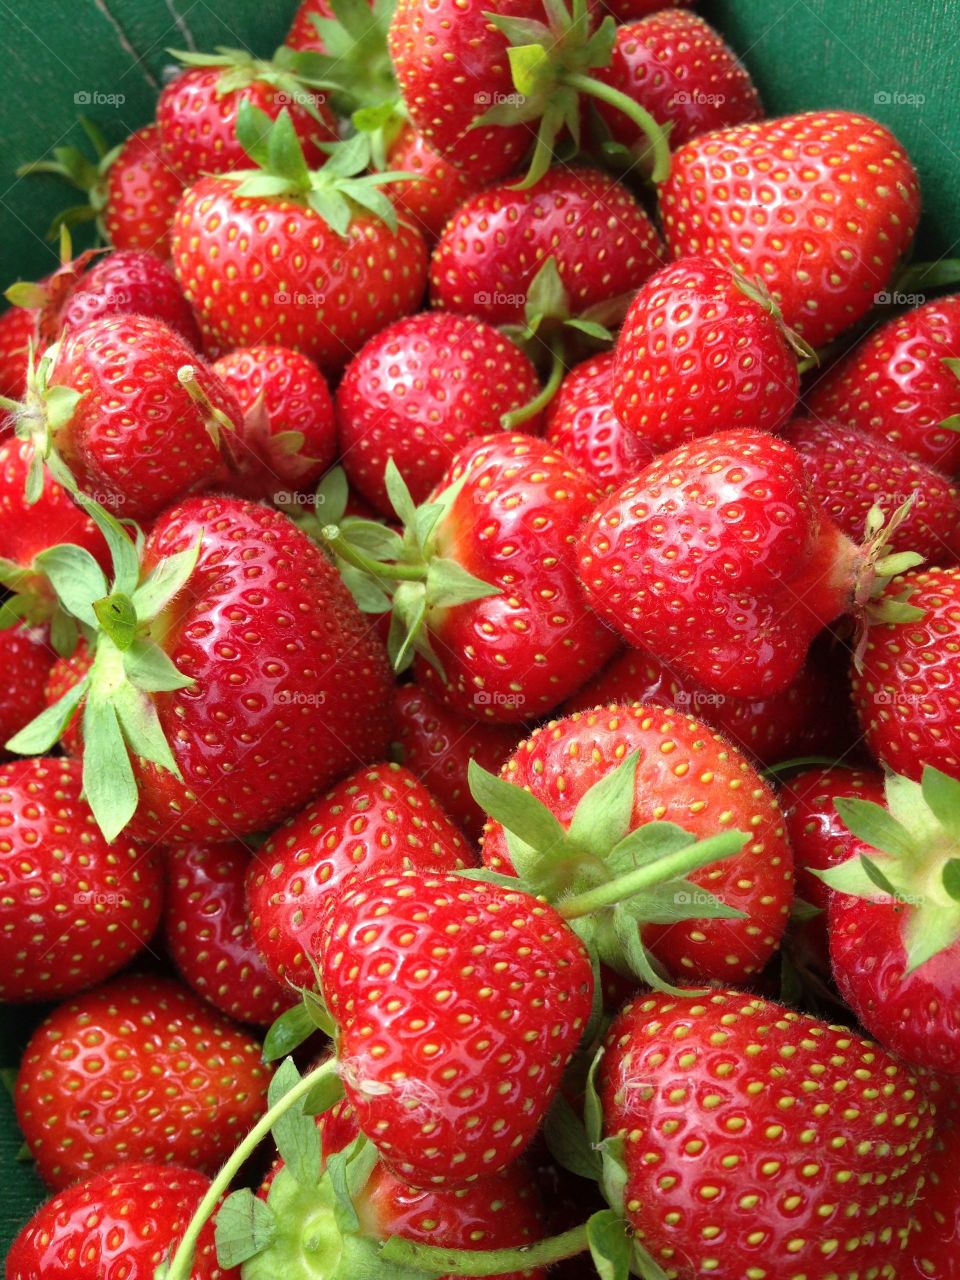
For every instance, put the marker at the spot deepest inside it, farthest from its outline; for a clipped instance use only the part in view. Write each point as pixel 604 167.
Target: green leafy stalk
pixel 437 1260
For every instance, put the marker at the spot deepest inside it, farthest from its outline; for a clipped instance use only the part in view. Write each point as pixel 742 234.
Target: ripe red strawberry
pixel 894 925
pixel 631 10
pixel 437 746
pixel 335 277
pixel 421 389
pixel 197 113
pixel 17 328
pixel 121 1223
pixel 767 196
pixel 209 937
pixel 811 715
pixel 686 775
pixel 26 657
pixel 288 437
pixel 264 682
pixel 142 191
pixel 700 351
pixel 680 70
pixel 494 991
pixel 303 33
pixel 759 1139
pixel 75 909
pixel 901 384
pixel 440 188
pixel 601 240
pixel 486 594
pixel 138 1069
pixel 581 423
pixel 717 559
pixel 851 471
pixel 906 694
pixel 370 823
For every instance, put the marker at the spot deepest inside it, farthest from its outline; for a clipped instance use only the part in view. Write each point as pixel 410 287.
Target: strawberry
pixel 26 659
pixel 701 350
pixel 680 70
pixel 439 189
pixel 632 10
pixel 486 593
pixel 209 937
pixel 581 423
pixel 894 925
pixel 938 1208
pixel 769 197
pixel 17 327
pixel 598 236
pixel 197 113
pixel 851 471
pixel 810 715
pixel 121 1223
pixel 288 436
pixel 313 261
pixel 437 746
pixel 373 822
pixel 75 908
pixel 138 1069
pixel 901 384
pixel 756 1139
pixel 234 660
pixel 686 775
pixel 421 389
pixel 303 33
pixel 494 991
pixel 906 692
pixel 717 559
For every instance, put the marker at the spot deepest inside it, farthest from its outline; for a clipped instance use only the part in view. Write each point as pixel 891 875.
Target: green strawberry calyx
pixel 357 59
pixel 550 63
pixel 294 75
pixel 405 573
pixel 89 176
pixel 45 410
pixel 875 568
pixel 605 876
pixel 914 863
pixel 128 665
pixel 338 192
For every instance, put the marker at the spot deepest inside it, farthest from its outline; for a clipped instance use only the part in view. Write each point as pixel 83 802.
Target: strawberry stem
pixel 339 545
pixel 180 1266
pixel 516 417
pixel 436 1260
pixel 656 136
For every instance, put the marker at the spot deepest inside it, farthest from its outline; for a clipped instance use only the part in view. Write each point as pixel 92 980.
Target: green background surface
pixel 889 58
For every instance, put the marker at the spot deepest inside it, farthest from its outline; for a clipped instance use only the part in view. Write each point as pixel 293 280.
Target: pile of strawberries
pixel 481 792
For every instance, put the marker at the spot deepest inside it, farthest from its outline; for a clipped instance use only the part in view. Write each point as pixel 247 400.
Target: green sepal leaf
pixel 349 1171
pixel 253 132
pixel 373 538
pixel 646 1267
pixel 296 1134
pixel 151 670
pixel 123 549
pixel 76 578
pixel 318 1012
pixel 332 494
pixel 602 817
pixel 610 1245
pixel 591 328
pixel 520 31
pixel 532 69
pixel 406 625
pixel 898 562
pixel 326 1093
pixel 568 1143
pixel 516 809
pixel 621 948
pixel 592 1108
pixel 165 582
pixel 875 826
pixel 60 404
pixel 877 877
pixel 245 1226
pixel 927 933
pixel 399 495
pixel 449 584
pixel 951 878
pixel 284 153
pixel 108 780
pixel 117 618
pixel 287 1032
pixel 140 724
pixel 647 844
pixel 367 593
pixel 613 1180
pixel 547 297
pixel 942 796
pixel 41 733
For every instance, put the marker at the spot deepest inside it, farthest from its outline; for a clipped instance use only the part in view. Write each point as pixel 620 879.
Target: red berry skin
pixel 769 196
pixel 198 124
pixel 130 282
pixel 632 10
pixel 851 471
pixel 324 295
pixel 687 775
pixel 718 560
pixel 907 693
pixel 582 424
pixel 677 67
pixel 74 909
pixel 418 391
pixel 602 241
pixel 459 1006
pixel 937 1248
pixel 696 356
pixel 895 385
pixel 25 658
pixel 118 1225
pixel 142 193
pixel 278 390
pixel 138 1069
pixel 136 440
pixel 437 746
pixel 370 823
pixel 17 330
pixel 431 200
pixel 514 656
pixel 209 936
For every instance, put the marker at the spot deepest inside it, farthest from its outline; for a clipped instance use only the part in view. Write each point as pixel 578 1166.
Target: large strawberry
pixel 902 383
pixel 820 206
pixel 752 1140
pixel 484 583
pixel 138 1069
pixel 232 675
pixel 718 560
pixel 418 391
pixel 375 821
pixel 701 350
pixel 316 261
pixel 118 1224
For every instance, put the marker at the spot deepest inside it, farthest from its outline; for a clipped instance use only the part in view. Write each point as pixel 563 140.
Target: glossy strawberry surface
pixel 439 188
pixel 26 657
pixel 17 326
pixel 142 193
pixel 129 282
